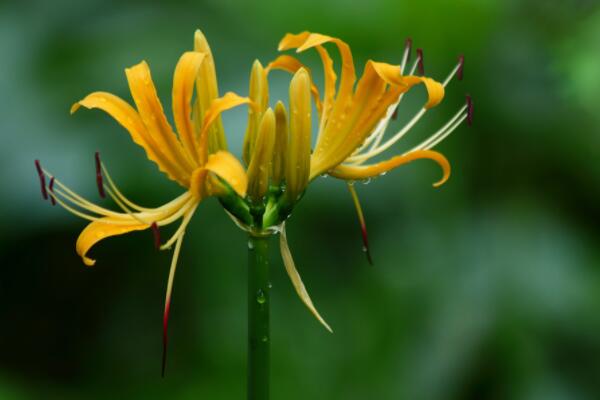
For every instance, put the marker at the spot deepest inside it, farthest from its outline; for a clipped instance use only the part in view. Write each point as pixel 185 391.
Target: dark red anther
pixel 51 188
pixel 165 337
pixel 395 114
pixel 408 47
pixel 99 182
pixel 156 233
pixel 420 65
pixel 469 110
pixel 42 177
pixel 461 65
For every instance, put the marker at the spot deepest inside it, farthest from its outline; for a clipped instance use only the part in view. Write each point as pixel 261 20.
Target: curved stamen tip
pixel 420 64
pixel 51 189
pixel 42 177
pixel 408 47
pixel 99 182
pixel 461 65
pixel 469 110
pixel 156 233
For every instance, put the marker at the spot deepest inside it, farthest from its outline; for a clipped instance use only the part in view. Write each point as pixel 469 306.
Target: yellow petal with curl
pixel 435 90
pixel 227 167
pixel 126 115
pixel 219 105
pixel 290 267
pixel 97 231
pixel 184 80
pixel 292 64
pixel 359 172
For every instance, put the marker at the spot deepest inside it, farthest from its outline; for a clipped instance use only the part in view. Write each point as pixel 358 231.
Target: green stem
pixel 258 318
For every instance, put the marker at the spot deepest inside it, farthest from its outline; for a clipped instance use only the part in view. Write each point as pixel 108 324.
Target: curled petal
pixel 99 230
pixel 290 267
pixel 227 167
pixel 219 105
pixel 359 172
pixel 435 90
pixel 292 65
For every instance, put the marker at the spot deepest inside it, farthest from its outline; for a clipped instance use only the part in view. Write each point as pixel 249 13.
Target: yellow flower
pixel 194 157
pixel 352 121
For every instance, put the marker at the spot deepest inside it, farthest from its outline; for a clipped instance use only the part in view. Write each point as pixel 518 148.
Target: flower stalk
pixel 259 288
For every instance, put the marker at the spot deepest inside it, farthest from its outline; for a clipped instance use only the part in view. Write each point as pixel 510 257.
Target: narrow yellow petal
pixel 97 231
pixel 219 105
pixel 227 167
pixel 290 267
pixel 259 94
pixel 184 79
pixel 151 111
pixel 297 168
pixel 259 169
pixel 126 115
pixel 281 144
pixel 359 172
pixel 206 91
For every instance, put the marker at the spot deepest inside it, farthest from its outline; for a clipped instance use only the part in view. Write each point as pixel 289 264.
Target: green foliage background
pixel 488 288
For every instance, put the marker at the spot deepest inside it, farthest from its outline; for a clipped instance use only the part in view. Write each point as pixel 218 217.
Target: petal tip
pixel 75 107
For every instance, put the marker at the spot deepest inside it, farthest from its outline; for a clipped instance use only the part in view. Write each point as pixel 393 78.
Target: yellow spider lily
pixel 352 122
pixel 194 157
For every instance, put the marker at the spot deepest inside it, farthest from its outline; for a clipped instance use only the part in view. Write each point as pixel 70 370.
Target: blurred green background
pixel 488 288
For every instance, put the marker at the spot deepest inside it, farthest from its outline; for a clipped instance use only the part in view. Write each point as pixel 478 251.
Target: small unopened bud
pixel 259 170
pixel 297 170
pixel 259 94
pixel 281 143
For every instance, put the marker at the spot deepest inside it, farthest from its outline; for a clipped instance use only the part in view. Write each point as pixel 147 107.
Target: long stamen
pixel 124 207
pixel 40 172
pixel 168 302
pixel 81 202
pixel 457 70
pixel 469 110
pixel 461 63
pixel 420 63
pixel 361 220
pixel 156 234
pixel 445 134
pixel 99 175
pixel 406 56
pixel 375 148
pixel 51 189
pixel 181 230
pixel 442 130
pixel 119 194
